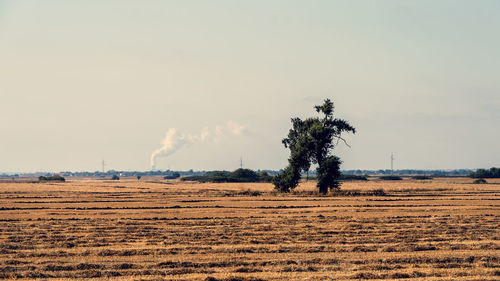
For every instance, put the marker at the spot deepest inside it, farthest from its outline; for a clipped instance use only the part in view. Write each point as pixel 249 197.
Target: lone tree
pixel 312 141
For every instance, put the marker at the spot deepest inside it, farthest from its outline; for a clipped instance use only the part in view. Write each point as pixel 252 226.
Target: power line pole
pixel 241 162
pixel 103 164
pixel 392 163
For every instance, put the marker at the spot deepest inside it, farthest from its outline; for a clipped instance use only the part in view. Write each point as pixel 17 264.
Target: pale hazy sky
pixel 82 81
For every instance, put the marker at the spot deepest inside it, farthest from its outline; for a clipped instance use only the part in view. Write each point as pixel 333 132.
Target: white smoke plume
pixel 170 143
pixel 173 141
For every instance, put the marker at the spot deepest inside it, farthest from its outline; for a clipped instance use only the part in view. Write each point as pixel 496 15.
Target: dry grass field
pixel 153 229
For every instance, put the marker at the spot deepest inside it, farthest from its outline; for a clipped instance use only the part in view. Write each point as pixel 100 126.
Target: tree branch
pixel 339 138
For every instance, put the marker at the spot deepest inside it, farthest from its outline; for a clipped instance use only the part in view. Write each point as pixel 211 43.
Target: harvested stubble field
pixel 440 229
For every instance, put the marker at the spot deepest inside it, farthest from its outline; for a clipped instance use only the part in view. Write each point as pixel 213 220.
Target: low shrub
pixel 194 178
pixel 480 181
pixel 115 178
pixel 421 178
pixel 353 178
pixel 51 178
pixel 391 178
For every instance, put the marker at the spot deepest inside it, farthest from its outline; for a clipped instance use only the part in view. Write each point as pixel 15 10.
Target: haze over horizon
pixel 83 81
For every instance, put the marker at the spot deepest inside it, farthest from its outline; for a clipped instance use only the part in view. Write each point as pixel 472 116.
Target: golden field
pixel 154 229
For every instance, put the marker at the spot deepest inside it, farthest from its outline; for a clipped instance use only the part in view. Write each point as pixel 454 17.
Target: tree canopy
pixel 311 141
pixel 482 173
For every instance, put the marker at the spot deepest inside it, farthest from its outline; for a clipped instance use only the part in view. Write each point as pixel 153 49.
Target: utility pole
pixel 241 162
pixel 392 163
pixel 103 164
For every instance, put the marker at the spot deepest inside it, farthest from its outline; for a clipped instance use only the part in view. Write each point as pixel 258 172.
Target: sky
pixel 204 84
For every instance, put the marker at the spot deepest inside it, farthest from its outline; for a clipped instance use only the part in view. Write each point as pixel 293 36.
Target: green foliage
pixel 245 175
pixel 480 181
pixel 421 178
pixel 51 178
pixel 218 176
pixel 115 177
pixel 311 141
pixel 391 178
pixel 287 180
pixel 239 175
pixel 194 178
pixel 265 177
pixel 482 173
pixel 329 174
pixel 353 178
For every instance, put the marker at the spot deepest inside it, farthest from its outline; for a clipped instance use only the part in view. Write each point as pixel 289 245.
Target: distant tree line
pixel 342 177
pixel 239 175
pixel 160 173
pixel 312 173
pixel 482 173
pixel 411 172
